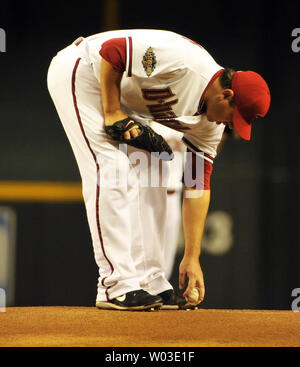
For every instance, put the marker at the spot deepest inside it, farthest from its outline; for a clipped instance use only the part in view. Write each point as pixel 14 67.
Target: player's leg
pixel 149 255
pixel 148 228
pixel 77 99
pixel 172 230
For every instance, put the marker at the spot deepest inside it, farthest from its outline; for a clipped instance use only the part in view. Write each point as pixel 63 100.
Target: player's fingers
pixel 182 279
pixel 191 285
pixel 134 132
pixel 126 135
pixel 201 287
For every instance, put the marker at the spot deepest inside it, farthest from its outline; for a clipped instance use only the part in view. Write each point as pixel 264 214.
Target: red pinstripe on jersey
pixel 97 170
pixel 217 74
pixel 130 56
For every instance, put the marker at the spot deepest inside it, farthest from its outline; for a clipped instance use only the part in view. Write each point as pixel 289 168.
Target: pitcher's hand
pixel 190 269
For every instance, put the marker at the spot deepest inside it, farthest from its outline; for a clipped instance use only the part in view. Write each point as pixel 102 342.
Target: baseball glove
pixel 147 139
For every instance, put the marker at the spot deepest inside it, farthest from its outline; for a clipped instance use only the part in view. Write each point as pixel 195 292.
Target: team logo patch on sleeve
pixel 149 61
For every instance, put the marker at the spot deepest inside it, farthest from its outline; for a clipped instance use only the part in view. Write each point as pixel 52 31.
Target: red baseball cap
pixel 252 100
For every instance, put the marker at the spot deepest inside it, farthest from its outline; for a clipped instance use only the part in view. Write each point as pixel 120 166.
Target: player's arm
pixel 110 81
pixel 195 206
pixel 194 211
pixel 111 71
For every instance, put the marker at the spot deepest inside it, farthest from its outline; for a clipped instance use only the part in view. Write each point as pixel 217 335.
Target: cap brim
pixel 241 125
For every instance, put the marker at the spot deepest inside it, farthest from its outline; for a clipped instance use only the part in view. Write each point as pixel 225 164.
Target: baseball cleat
pixel 173 301
pixel 138 300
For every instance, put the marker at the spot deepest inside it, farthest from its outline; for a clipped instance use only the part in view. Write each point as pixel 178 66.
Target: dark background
pixel 256 183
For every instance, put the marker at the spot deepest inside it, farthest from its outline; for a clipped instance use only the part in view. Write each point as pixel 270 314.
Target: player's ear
pixel 228 93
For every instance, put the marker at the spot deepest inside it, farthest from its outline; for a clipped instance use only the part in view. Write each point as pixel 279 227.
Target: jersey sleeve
pixel 145 54
pixel 197 171
pixel 114 52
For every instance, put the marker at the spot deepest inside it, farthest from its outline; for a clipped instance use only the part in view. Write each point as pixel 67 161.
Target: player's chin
pixel 210 118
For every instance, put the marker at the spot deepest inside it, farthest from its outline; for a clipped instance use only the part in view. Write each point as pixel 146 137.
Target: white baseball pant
pixel 126 221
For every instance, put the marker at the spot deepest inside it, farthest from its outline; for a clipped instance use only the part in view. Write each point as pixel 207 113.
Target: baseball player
pixel 106 88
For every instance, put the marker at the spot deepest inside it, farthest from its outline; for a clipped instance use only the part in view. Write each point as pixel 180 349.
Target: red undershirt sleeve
pixel 194 177
pixel 114 52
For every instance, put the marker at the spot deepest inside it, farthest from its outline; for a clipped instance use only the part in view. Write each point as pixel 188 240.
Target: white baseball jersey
pixel 165 76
